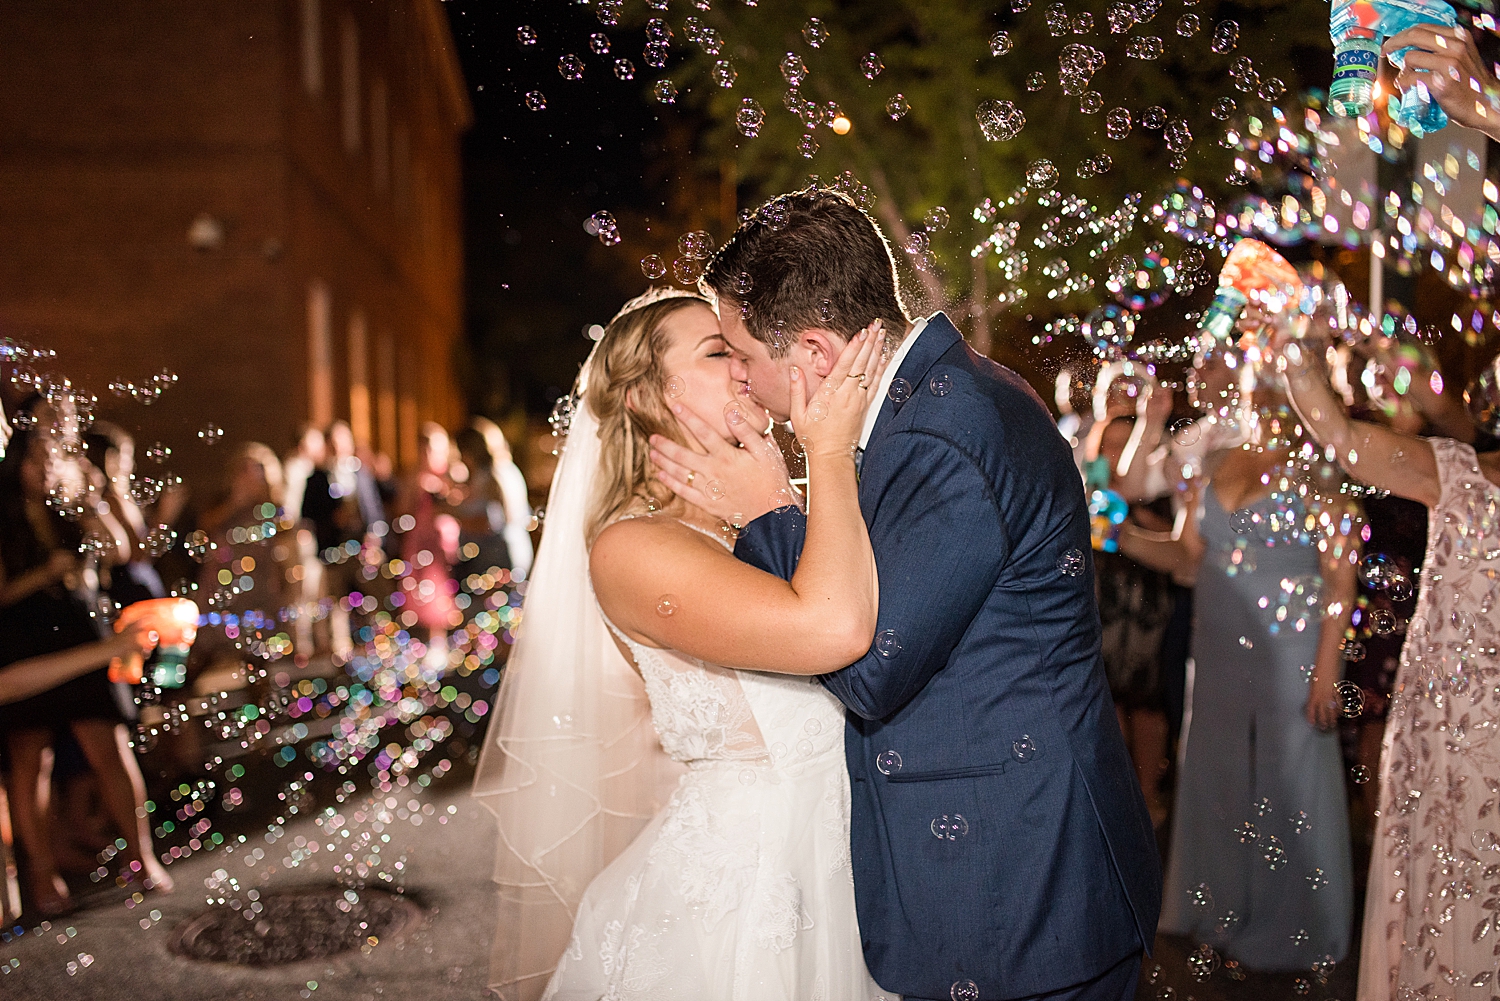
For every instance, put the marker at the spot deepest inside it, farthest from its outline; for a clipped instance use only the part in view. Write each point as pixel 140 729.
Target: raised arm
pixel 666 585
pixel 1338 559
pixel 35 675
pixel 1374 455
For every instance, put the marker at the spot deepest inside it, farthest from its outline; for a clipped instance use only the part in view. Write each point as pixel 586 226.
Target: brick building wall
pixel 262 197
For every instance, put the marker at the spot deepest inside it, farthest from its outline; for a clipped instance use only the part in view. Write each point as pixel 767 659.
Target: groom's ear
pixel 823 348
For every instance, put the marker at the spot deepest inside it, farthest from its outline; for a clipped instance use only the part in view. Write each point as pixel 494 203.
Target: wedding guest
pixel 254 579
pixel 514 495
pixel 310 456
pixel 487 504
pixel 112 451
pixel 1135 607
pixel 1260 790
pixel 46 593
pixel 1437 826
pixel 429 545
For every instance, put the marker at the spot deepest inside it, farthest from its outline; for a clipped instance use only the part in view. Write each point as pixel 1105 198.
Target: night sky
pixel 535 279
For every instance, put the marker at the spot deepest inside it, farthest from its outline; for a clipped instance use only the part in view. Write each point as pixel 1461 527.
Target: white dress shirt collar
pixel 904 348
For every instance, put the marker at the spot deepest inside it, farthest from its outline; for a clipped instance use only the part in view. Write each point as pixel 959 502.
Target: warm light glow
pixel 842 125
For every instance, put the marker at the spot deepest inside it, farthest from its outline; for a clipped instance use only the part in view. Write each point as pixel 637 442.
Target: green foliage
pixel 936 53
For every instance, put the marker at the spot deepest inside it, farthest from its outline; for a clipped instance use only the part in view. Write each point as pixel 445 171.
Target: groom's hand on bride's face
pixel 738 481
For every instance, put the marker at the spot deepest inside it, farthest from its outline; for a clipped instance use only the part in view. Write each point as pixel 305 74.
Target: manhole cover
pixel 296 925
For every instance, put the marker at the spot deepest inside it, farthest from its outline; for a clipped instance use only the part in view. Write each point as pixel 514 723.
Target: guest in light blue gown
pixel 1259 862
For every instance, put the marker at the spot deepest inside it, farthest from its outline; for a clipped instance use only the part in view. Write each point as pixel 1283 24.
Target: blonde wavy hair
pixel 624 387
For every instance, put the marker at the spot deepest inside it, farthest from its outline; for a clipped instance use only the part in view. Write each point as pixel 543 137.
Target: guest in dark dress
pixel 47 594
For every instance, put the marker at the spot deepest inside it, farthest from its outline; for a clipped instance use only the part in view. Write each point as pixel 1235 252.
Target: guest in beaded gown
pixel 1430 927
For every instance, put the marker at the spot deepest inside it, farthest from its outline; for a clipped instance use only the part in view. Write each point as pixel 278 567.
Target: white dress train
pixel 741 888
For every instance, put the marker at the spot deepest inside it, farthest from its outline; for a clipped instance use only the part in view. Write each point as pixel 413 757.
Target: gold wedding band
pixel 690 475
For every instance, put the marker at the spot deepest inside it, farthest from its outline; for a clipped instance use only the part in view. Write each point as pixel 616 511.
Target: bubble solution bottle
pixel 1252 271
pixel 1358 29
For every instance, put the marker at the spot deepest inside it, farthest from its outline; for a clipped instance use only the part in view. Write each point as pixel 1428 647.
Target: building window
pixel 319 354
pixel 312 47
pixel 359 380
pixel 349 47
pixel 380 154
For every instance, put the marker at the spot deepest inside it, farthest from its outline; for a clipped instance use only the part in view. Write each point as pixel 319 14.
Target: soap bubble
pixel 1117 123
pixel 936 218
pixel 667 605
pixel 536 100
pixel 887 762
pixel 1121 17
pixel 808 146
pixel 1226 37
pixel 1108 328
pixel 793 69
pixel 1023 748
pixel 897 107
pixel 1177 135
pixel 1271 89
pixel 968 990
pixel 624 69
pixel 750 118
pixel 658 30
pixel 159 540
pixel 1083 23
pixel 900 390
pixel 1300 823
pixel 526 35
pixel 1001 43
pixel 1188 25
pixel 1202 963
pixel 653 267
pixel 1077 64
pixel 871 65
pixel 675 387
pixel 950 828
pixel 1376 571
pixel 887 643
pixel 1247 833
pixel 941 384
pixel 1057 20
pixel 1382 622
pixel 665 91
pixel 686 270
pixel 1091 102
pixel 1145 47
pixel 1316 880
pixel 1273 853
pixel 1360 774
pixel 603 225
pixel 599 44
pixel 697 245
pixel 1223 108
pixel 1000 121
pixel 656 54
pixel 1041 174
pixel 1071 563
pixel 1036 81
pixel 571 67
pixel 1185 432
pixel 1350 697
pixel 815 32
pixel 724 73
pixel 1154 117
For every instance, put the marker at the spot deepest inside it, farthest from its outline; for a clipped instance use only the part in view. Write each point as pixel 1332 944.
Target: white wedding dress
pixel 741 888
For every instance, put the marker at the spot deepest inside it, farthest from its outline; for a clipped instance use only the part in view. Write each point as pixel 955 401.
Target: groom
pixel 1000 843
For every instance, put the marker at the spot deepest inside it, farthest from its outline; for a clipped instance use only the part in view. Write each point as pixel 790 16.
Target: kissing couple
pixel 851 743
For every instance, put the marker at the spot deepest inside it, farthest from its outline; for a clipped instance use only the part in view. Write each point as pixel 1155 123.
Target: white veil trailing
pixel 571 766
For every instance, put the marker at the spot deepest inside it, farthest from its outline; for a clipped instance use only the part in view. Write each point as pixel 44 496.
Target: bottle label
pixel 1356 62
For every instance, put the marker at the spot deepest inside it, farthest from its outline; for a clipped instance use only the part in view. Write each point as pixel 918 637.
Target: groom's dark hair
pixel 809 259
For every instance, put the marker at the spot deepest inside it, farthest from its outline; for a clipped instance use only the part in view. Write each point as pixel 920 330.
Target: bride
pixel 740 888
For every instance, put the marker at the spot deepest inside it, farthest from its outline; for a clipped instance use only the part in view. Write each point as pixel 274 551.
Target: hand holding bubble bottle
pixel 1358 28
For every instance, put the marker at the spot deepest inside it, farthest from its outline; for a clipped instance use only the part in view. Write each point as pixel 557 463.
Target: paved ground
pixel 447 874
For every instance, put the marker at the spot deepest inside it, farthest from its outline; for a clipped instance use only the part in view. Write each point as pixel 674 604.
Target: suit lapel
pixel 935 340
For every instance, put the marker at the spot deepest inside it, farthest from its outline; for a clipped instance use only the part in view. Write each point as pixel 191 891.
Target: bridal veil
pixel 571 767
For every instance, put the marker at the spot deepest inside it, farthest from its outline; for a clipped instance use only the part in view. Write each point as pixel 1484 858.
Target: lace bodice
pixel 705 712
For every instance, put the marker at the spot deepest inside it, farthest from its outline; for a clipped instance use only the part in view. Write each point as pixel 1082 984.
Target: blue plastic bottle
pixel 1358 28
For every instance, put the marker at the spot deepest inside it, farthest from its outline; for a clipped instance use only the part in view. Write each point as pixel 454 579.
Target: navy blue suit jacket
pixel 998 835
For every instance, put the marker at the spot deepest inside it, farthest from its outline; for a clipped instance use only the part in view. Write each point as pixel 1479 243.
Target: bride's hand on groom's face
pixel 828 420
pixel 737 481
